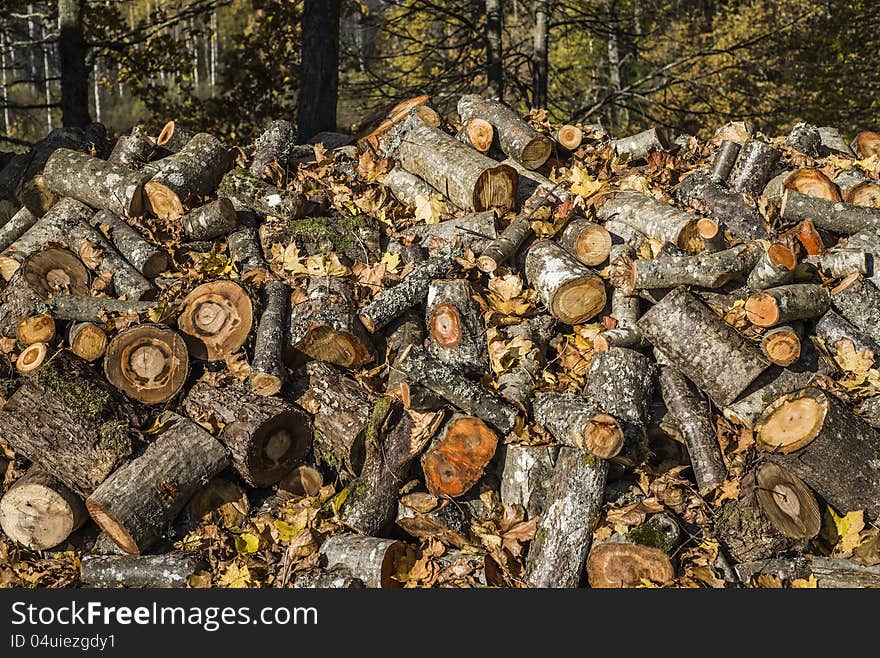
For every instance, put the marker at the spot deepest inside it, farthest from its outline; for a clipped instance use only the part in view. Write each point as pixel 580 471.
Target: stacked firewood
pixel 520 354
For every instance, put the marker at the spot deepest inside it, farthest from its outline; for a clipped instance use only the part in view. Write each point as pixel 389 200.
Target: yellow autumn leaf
pixel 583 184
pixel 636 182
pixel 429 208
pixel 507 286
pixel 339 500
pixel 286 531
pixel 391 261
pixel 235 576
pixel 247 543
pixel 805 583
pixel 850 360
pixel 843 531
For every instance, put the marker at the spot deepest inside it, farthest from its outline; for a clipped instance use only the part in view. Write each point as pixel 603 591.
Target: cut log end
pixel 446 326
pixel 216 319
pixel 496 188
pixel 163 201
pixel 603 436
pixel 148 363
pixel 866 193
pixel 112 527
pixel 762 309
pixel 264 383
pixel 812 182
pixel 276 445
pixel 867 143
pixel 40 513
pixel 36 329
pixel 570 137
pixel 455 464
pixel 578 300
pixel 618 564
pixel 88 341
pixel 31 358
pixel 792 421
pixel 536 152
pixel 593 245
pixel 787 502
pixel 480 134
pixel 782 346
pixel 55 270
pixel 707 229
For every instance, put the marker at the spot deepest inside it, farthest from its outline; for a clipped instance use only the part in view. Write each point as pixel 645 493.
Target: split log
pixel 81 308
pixel 651 217
pixel 639 145
pixel 814 436
pixel 696 341
pixel 568 289
pixel 97 183
pixel 812 182
pixel 753 167
pixel 781 305
pixel 446 521
pixel 87 340
pixel 748 409
pixel 342 411
pixel 516 138
pixel 469 179
pixel 457 334
pixel 147 362
pixel 831 573
pixel 38 328
pixel 725 158
pixel 787 502
pixel 569 137
pixel 408 188
pixel 31 358
pixel 477 133
pixel 266 436
pixel 195 169
pixel 246 255
pixel 134 505
pixel 325 326
pixel 805 138
pixel 590 242
pixel 525 474
pixel 369 559
pixel 42 275
pixel 274 145
pixel 31 191
pixel 210 221
pixel 626 332
pixel 859 303
pixel 173 137
pixel 575 422
pixel 639 556
pixel 558 552
pixel 470 397
pixel 15 227
pixel 837 217
pixel 133 149
pixel 775 267
pixel 833 328
pixel 215 320
pixel 39 512
pixel 167 571
pixel 693 420
pixel 533 337
pixel 390 303
pixel 54 226
pixel 709 270
pixel 866 144
pixel 68 420
pixel 146 258
pixel 456 460
pixel 832 142
pixel 474 232
pixel 741 218
pixel 392 443
pixel 782 344
pixel 267 370
pixel 337 578
pixel 247 191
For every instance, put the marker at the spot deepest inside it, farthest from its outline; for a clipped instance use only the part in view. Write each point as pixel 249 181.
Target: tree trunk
pixel 696 341
pixel 167 571
pixel 319 75
pixel 135 504
pixel 540 50
pixel 74 73
pixel 494 55
pixel 266 436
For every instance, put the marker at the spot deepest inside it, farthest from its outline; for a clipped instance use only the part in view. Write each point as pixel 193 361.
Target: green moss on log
pixel 80 400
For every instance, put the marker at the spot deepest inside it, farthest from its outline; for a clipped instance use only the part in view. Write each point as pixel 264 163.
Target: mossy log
pixel 135 504
pixel 166 571
pixel 195 169
pixel 66 418
pixel 575 494
pixel 696 341
pixel 97 183
pixel 355 238
pixel 266 436
pixel 516 138
pixel 247 191
pixel 267 368
pixel 145 257
pixel 40 512
pixel 326 327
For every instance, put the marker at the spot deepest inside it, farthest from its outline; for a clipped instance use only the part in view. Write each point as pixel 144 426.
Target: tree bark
pixel 746 532
pixel 834 216
pixel 475 232
pixel 267 369
pixel 833 573
pixel 517 139
pixel 369 559
pixel 146 258
pixel 753 167
pixel 741 218
pixel 525 474
pixel 651 217
pixel 407 187
pixel 266 436
pixel 639 145
pixel 135 504
pixel 567 288
pixel 859 302
pixel 319 76
pixel 534 336
pixel 494 55
pixel 725 158
pixel 81 308
pixel 457 334
pixel 275 144
pixel 167 571
pixel 775 267
pixel 247 191
pixel 133 149
pixel 626 333
pixel 210 220
pixel 15 227
pixel 72 55
pixel 832 328
pixel 246 254
pixel 576 490
pixel 573 421
pixel 540 50
pixel 696 341
pixel 832 142
pixel 780 305
pixel 173 137
pixel 707 270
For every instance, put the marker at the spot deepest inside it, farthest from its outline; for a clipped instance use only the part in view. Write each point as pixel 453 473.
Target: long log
pixel 407 188
pixel 167 571
pixel 100 184
pixel 31 191
pixel 829 572
pixel 247 191
pixel 525 475
pixel 369 559
pixel 568 289
pixel 81 308
pixel 516 138
pixel 834 216
pixel 267 369
pixel 716 358
pixel 651 217
pixel 134 505
pixel 576 491
pixel 145 257
pixel 639 145
pixel 266 436
pixel 573 421
pixel 740 217
pixel 707 270
pixel 245 253
pixel 15 227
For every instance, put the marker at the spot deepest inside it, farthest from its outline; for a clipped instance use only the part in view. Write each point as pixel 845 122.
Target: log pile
pixel 491 351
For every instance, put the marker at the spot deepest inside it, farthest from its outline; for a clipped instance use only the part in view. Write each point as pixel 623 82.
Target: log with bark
pixel 133 149
pixel 626 333
pixel 829 572
pixel 783 304
pixel 408 188
pixel 859 303
pixel 98 310
pixel 576 422
pixel 457 334
pixel 516 138
pixel 525 473
pixel 245 190
pixel 210 220
pixel 567 288
pixel 725 158
pixel 267 368
pixel 782 344
pixel 266 436
pixel 147 362
pixel 173 137
pixel 832 328
pixel 135 504
pixel 15 227
pixel 474 232
pixel 216 319
pixel 639 145
pixel 834 216
pixel 166 571
pixel 145 257
pixel 590 242
pixel 533 337
pixel 370 559
pixel 652 218
pixel 753 167
pixel 30 190
pixel 274 145
pixel 246 254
